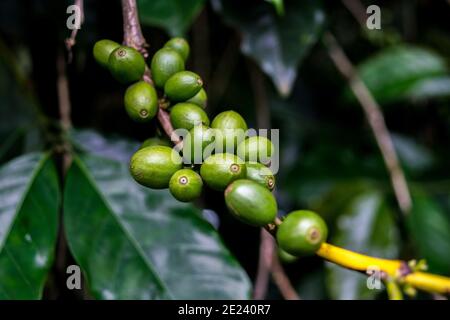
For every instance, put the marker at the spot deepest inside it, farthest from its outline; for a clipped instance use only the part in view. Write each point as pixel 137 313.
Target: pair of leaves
pixel 276 43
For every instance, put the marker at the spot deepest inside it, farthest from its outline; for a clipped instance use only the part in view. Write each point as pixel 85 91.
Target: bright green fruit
pixel 231 130
pixel 141 101
pixel 199 140
pixel 285 257
pixel 200 99
pixel 102 50
pixel 186 185
pixel 302 233
pixel 220 169
pixel 155 141
pixel 187 115
pixel 180 45
pixel 182 86
pixel 251 203
pixel 154 166
pixel 256 148
pixel 165 63
pixel 126 64
pixel 260 174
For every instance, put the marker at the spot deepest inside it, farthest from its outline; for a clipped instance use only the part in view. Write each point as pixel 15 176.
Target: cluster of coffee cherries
pixel 219 153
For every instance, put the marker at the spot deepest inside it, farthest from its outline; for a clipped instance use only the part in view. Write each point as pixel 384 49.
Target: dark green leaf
pixel 29 203
pixel 277 44
pixel 367 226
pixel 137 243
pixel 403 71
pixel 430 228
pixel 414 156
pixel 174 16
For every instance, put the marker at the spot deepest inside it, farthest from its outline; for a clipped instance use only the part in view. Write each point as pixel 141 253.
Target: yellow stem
pixel 393 268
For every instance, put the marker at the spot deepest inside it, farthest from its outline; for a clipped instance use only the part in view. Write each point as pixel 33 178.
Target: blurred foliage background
pixel 266 60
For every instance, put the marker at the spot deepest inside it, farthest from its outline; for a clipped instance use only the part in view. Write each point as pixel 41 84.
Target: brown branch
pixel 266 254
pixel 132 33
pixel 357 9
pixel 71 41
pixel 376 121
pixel 282 281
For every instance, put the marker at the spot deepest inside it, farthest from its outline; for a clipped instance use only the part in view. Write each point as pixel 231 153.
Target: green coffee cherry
pixel 256 149
pixel 180 45
pixel 141 101
pixel 102 50
pixel 182 86
pixel 285 257
pixel 302 233
pixel 187 115
pixel 200 99
pixel 186 185
pixel 154 166
pixel 231 130
pixel 126 64
pixel 220 169
pixel 261 174
pixel 155 141
pixel 165 63
pixel 199 140
pixel 251 203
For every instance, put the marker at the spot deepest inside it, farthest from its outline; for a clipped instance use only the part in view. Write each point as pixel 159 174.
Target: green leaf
pixel 29 204
pixel 429 88
pixel 174 16
pixel 277 44
pixel 404 72
pixel 137 243
pixel 430 228
pixel 414 156
pixel 367 226
pixel 279 6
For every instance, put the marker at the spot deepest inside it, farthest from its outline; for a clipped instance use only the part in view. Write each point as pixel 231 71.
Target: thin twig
pixel 266 252
pixel 282 281
pixel 376 121
pixel 71 41
pixel 357 9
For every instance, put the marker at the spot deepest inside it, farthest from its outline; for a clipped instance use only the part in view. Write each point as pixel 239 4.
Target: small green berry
pixel 200 99
pixel 231 130
pixel 102 50
pixel 141 101
pixel 126 64
pixel 186 185
pixel 187 115
pixel 260 174
pixel 256 149
pixel 180 45
pixel 182 86
pixel 220 169
pixel 155 141
pixel 302 233
pixel 251 203
pixel 286 257
pixel 200 140
pixel 154 166
pixel 165 63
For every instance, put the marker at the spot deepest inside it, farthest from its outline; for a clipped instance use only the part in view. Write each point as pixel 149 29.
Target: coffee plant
pixel 330 221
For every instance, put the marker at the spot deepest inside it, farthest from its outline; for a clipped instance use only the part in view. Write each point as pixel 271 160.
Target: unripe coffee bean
pixel 154 166
pixel 141 101
pixel 126 64
pixel 302 233
pixel 220 169
pixel 165 63
pixel 251 203
pixel 200 99
pixel 199 140
pixel 180 45
pixel 187 115
pixel 186 185
pixel 256 149
pixel 261 174
pixel 182 86
pixel 156 141
pixel 231 130
pixel 102 50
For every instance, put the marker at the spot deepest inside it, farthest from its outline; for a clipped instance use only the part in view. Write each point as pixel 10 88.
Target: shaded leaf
pixel 29 204
pixel 174 16
pixel 277 44
pixel 414 156
pixel 137 243
pixel 403 71
pixel 366 226
pixel 430 228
